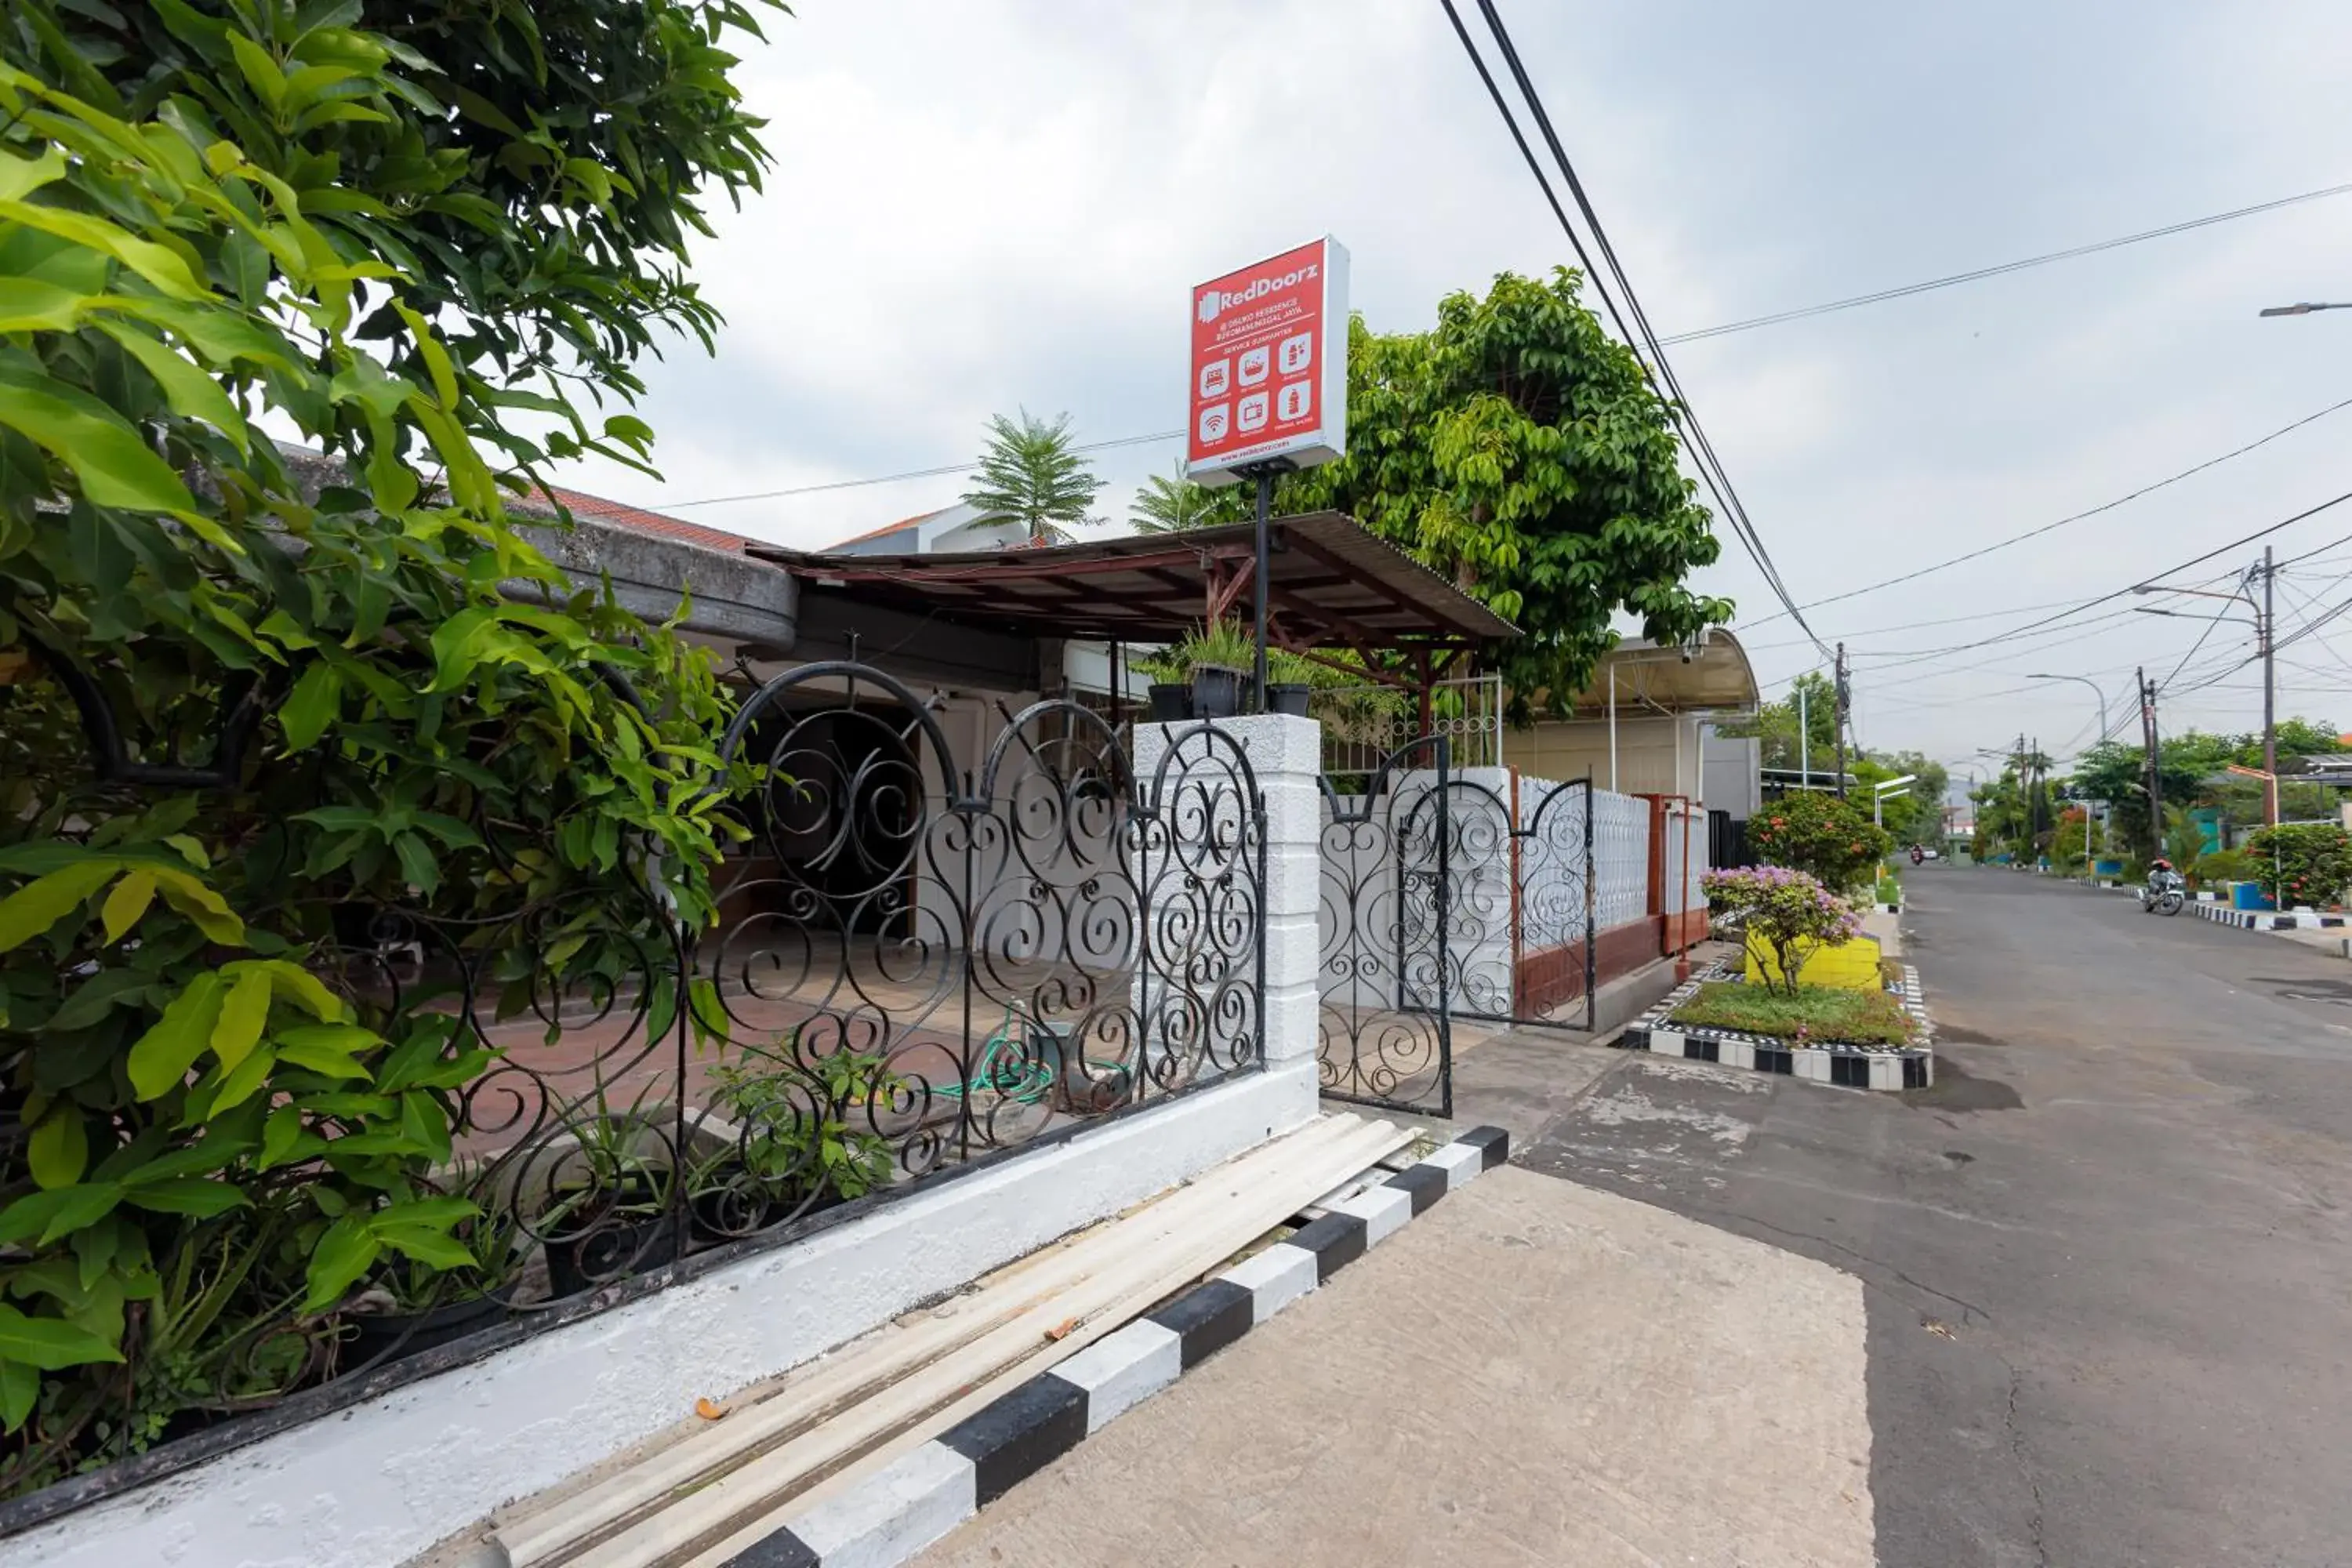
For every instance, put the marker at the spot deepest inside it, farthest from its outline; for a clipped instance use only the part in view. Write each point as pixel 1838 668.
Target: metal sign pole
pixel 1264 512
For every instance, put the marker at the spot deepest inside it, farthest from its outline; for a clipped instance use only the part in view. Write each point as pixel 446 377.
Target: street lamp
pixel 2088 869
pixel 1880 790
pixel 2303 309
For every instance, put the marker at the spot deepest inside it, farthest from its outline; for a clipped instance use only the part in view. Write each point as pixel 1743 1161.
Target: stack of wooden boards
pixel 702 1497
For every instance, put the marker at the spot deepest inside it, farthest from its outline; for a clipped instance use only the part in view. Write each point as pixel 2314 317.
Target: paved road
pixel 2106 1261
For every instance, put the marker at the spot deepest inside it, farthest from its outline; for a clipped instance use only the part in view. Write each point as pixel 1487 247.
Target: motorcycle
pixel 1918 856
pixel 2162 894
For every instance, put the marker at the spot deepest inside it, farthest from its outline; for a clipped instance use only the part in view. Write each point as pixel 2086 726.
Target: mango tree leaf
pixel 205 909
pixel 243 1013
pixel 298 986
pixel 185 1195
pixel 347 1250
pixel 188 391
pixel 99 996
pixel 58 1149
pixel 30 305
pixel 315 700
pixel 423 1120
pixel 114 467
pixel 42 902
pixel 20 1389
pixel 426 1246
pixel 160 1060
pixel 127 904
pixel 23 176
pixel 44 1217
pixel 50 1344
pixel 159 264
pixel 241 1082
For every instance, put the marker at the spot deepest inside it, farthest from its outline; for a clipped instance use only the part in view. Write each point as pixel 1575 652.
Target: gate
pixel 1522 898
pixel 1386 979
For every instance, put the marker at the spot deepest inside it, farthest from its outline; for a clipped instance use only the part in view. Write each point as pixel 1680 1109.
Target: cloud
pixel 982 204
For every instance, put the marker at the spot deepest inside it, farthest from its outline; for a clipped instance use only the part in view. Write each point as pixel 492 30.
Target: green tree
pixel 1814 832
pixel 2306 863
pixel 1029 474
pixel 1172 503
pixel 1516 449
pixel 1775 724
pixel 396 235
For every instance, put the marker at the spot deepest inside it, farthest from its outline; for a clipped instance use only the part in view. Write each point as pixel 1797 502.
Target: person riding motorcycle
pixel 1918 856
pixel 2161 872
pixel 2164 886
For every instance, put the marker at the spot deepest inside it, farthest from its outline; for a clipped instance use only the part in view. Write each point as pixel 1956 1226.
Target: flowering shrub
pixel 1780 907
pixel 1828 839
pixel 2301 862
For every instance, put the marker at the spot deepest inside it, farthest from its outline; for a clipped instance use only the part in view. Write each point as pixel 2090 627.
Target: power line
pixel 2062 522
pixel 1656 368
pixel 1980 274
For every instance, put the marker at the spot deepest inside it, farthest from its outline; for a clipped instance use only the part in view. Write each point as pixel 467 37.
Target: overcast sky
pixel 982 204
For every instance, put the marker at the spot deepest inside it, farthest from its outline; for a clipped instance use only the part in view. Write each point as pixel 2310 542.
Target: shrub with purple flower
pixel 1780 908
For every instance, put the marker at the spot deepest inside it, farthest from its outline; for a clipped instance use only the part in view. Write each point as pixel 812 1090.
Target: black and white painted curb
pixel 2272 919
pixel 1832 1062
pixel 893 1514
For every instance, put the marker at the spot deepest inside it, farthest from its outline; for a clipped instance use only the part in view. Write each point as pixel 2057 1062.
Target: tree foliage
pixel 1816 832
pixel 1783 743
pixel 1516 449
pixel 1781 911
pixel 1029 474
pixel 1170 504
pixel 405 233
pixel 2302 863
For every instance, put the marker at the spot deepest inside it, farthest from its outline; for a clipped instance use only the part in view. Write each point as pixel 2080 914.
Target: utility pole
pixel 2270 697
pixel 1804 739
pixel 2149 739
pixel 1840 710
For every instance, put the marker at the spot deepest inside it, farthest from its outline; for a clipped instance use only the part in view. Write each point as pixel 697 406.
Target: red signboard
pixel 1270 364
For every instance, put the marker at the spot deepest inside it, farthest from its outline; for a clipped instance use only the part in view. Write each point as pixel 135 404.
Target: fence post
pixel 1286 757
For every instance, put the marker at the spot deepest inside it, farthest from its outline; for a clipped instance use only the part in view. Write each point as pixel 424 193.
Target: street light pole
pixel 2304 309
pixel 2270 695
pixel 2088 870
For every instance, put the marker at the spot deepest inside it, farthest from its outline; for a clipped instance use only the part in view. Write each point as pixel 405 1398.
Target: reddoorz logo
pixel 1215 300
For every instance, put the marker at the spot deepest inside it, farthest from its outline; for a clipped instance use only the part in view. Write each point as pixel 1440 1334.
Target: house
pixel 1640 723
pixel 952 529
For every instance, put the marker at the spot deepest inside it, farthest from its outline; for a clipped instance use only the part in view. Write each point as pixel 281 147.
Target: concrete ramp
pixel 1533 1374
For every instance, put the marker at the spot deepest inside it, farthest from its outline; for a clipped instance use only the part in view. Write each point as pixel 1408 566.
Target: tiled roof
pixel 624 516
pixel 886 527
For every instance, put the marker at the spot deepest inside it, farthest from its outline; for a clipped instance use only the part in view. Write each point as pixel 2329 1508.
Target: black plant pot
pixel 1288 697
pixel 1216 691
pixel 612 1236
pixel 396 1336
pixel 1171 704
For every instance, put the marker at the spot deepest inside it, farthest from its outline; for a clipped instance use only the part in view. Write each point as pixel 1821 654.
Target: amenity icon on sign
pixel 1215 377
pixel 1252 413
pixel 1255 365
pixel 1297 351
pixel 1213 423
pixel 1296 399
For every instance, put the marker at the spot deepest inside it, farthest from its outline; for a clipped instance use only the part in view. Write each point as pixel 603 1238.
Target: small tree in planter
pixel 2301 862
pixel 1781 909
pixel 1825 838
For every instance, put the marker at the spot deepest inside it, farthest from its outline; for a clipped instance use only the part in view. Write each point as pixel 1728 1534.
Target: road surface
pixel 2108 1284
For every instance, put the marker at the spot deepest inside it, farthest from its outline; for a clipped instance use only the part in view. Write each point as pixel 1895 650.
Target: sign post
pixel 1269 383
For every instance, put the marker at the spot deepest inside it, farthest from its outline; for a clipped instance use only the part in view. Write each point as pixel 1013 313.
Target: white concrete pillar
pixel 1283 758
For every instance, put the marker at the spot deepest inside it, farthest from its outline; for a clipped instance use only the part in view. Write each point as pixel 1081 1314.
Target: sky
pixel 982 205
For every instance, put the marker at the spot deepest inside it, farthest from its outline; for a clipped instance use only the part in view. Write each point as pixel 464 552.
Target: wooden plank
pixel 859 1371
pixel 931 1399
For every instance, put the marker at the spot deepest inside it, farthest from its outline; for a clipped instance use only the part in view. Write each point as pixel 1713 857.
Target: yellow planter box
pixel 1850 965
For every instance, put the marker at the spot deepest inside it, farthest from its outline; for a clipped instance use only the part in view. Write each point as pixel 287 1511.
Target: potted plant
pixel 1171 701
pixel 611 1214
pixel 1289 697
pixel 407 1308
pixel 796 1149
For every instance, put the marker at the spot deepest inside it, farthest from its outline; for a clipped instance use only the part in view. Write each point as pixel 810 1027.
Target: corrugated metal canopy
pixel 1330 584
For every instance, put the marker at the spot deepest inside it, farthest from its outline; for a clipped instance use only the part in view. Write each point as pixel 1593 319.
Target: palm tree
pixel 1029 473
pixel 1173 504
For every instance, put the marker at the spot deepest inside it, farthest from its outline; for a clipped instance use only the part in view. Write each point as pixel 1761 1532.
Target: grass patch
pixel 1821 1012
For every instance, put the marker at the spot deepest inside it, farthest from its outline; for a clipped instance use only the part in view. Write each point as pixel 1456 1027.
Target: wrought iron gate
pixel 1386 987
pixel 1522 896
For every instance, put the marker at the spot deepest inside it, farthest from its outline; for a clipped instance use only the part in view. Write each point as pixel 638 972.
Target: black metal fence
pixel 924 958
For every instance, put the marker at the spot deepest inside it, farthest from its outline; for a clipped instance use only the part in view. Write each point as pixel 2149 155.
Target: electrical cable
pixel 2062 522
pixel 909 474
pixel 1978 274
pixel 1703 455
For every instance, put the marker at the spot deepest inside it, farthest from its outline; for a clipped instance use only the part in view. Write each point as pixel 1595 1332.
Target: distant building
pixel 956 529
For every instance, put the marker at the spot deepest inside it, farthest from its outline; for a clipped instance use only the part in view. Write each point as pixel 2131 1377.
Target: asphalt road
pixel 2109 1293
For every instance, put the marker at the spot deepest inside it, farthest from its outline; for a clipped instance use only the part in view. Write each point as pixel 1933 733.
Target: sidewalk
pixel 1534 1373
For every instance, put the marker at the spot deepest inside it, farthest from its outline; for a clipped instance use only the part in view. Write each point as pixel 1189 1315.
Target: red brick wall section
pixel 1555 976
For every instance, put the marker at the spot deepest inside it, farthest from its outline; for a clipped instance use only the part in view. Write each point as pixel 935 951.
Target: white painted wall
pixel 372 1485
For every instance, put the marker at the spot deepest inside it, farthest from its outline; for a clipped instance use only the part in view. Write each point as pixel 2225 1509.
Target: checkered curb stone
pixel 2271 920
pixel 1839 1065
pixel 893 1514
